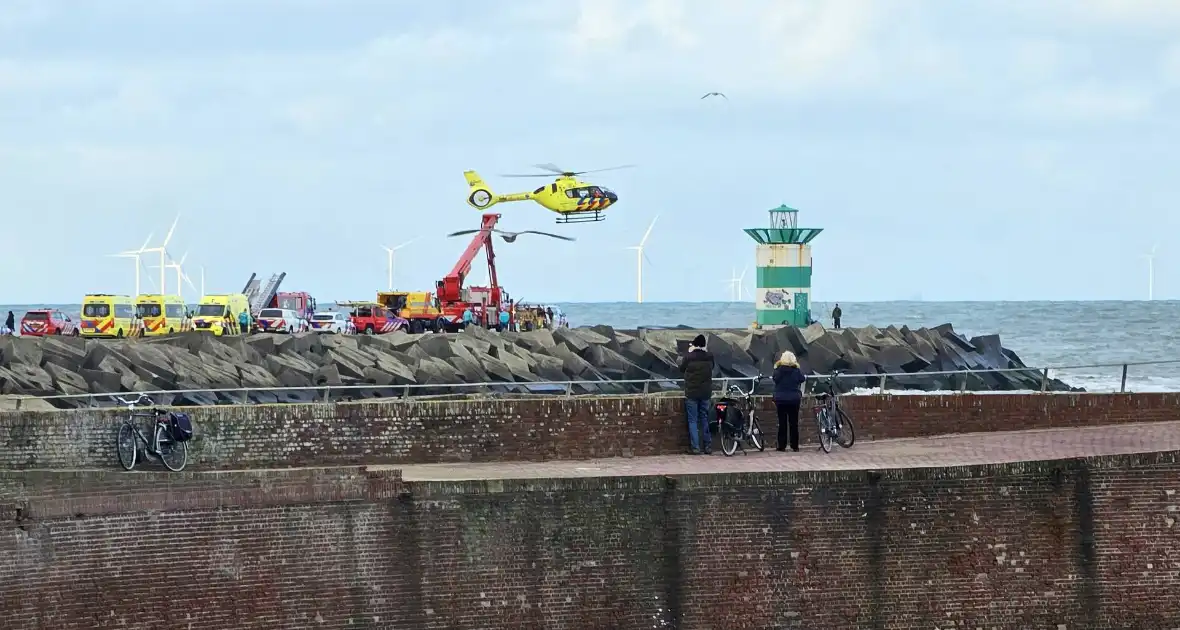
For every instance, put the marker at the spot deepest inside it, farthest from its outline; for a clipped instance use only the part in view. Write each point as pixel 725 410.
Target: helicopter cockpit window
pixel 569 192
pixel 595 191
pixel 582 193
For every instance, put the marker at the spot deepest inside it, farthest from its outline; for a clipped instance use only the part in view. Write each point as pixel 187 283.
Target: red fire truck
pixel 442 310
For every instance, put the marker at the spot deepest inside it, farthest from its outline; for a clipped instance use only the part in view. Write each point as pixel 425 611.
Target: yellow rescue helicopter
pixel 574 201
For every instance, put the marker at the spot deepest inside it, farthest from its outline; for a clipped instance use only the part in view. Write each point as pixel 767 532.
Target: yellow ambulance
pixel 213 310
pixel 161 314
pixel 106 315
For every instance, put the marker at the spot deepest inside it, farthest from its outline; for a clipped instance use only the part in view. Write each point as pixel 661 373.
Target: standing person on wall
pixel 788 394
pixel 836 315
pixel 697 368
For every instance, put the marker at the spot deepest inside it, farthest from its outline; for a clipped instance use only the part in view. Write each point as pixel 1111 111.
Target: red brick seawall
pixel 1084 543
pixel 269 436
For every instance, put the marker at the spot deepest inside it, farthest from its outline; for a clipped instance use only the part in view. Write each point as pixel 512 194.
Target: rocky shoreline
pixel 510 362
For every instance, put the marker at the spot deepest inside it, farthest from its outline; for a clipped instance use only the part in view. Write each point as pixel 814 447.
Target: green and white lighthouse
pixel 783 294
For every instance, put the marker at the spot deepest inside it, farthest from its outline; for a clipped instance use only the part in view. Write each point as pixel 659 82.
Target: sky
pixel 1006 150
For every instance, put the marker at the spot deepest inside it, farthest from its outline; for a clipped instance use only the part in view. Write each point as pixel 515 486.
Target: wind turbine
pixel 735 284
pixel 163 250
pixel 1150 256
pixel 202 280
pixel 389 251
pixel 639 258
pixel 181 276
pixel 135 254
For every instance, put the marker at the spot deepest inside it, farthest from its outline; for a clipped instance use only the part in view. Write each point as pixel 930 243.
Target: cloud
pixel 1136 13
pixel 1089 102
pixel 764 46
pixel 20 14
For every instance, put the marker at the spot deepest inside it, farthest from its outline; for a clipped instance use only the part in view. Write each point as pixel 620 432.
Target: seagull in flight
pixel 510 237
pixel 714 94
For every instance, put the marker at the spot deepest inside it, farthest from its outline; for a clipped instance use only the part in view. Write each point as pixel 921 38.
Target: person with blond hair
pixel 788 395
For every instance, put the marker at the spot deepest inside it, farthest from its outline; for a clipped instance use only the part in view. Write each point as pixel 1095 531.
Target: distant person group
pixel 514 318
pixel 698 366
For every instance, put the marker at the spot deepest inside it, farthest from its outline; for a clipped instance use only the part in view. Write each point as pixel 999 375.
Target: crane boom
pixel 450 288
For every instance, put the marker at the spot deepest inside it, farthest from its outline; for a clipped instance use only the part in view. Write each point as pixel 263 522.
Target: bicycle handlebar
pixel 142 398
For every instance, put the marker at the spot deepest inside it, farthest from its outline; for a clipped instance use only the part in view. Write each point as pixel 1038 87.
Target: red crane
pixel 453 298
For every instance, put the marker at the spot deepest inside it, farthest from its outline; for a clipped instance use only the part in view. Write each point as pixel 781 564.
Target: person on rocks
pixel 468 317
pixel 10 324
pixel 504 319
pixel 788 394
pixel 836 314
pixel 244 321
pixel 697 368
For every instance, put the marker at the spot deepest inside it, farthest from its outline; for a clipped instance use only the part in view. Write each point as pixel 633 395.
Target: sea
pixel 1085 343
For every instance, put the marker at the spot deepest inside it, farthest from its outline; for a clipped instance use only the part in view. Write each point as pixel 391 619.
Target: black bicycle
pixel 737 420
pixel 834 423
pixel 172 452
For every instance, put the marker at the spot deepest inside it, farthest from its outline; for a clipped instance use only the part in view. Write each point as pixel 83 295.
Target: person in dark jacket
pixel 10 324
pixel 788 394
pixel 836 315
pixel 697 367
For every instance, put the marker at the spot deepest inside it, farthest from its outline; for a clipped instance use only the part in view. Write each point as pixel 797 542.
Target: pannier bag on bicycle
pixel 729 414
pixel 181 426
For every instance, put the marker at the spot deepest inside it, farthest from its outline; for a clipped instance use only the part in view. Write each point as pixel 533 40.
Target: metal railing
pixel 653 386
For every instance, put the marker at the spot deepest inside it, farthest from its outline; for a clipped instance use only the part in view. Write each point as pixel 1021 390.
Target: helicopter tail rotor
pixel 479 194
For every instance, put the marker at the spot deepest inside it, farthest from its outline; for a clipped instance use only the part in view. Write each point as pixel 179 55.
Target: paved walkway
pixel 954 450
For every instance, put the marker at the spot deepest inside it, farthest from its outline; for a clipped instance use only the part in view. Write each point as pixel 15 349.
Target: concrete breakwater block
pixel 501 362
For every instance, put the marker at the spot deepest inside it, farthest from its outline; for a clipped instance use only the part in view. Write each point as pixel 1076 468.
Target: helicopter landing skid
pixel 584 216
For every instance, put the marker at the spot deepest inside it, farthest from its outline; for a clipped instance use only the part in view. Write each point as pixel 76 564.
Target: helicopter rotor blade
pixel 531 175
pixel 462 232
pixel 558 236
pixel 602 170
pixel 551 167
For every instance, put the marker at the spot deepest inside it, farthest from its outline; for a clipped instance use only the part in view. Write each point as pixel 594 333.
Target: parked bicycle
pixel 737 419
pixel 170 434
pixel 834 423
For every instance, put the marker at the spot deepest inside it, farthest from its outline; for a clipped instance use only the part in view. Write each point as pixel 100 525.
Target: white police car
pixel 280 320
pixel 332 322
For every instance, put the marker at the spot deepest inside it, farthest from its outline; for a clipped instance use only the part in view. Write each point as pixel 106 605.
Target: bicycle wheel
pixel 173 454
pixel 125 446
pixel 756 434
pixel 825 434
pixel 847 434
pixel 729 441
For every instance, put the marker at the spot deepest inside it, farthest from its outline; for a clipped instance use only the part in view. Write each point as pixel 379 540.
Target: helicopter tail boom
pixel 479 194
pixel 481 197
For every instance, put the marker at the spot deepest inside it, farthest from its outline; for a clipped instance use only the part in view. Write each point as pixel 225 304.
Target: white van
pixel 280 320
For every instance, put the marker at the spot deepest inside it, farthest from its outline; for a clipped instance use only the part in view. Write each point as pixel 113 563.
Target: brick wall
pixel 264 436
pixel 1074 544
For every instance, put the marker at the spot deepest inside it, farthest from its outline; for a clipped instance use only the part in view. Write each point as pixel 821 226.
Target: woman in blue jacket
pixel 788 394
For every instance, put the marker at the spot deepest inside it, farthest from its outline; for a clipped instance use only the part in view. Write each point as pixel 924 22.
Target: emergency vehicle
pixel 106 315
pixel 371 318
pixel 161 314
pixel 42 322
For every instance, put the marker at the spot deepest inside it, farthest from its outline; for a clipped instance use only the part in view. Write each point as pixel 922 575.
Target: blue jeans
pixel 697 410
